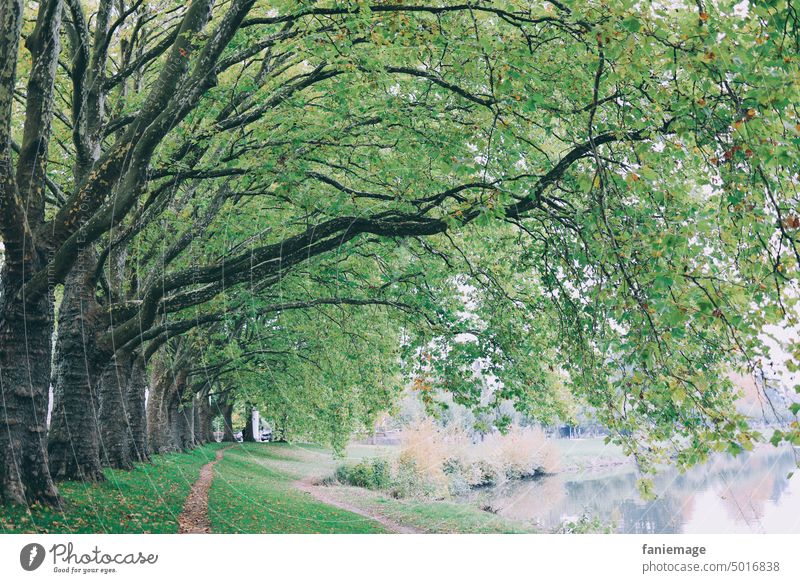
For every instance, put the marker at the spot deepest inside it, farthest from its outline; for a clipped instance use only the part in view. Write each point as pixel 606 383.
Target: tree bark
pixel 247 432
pixel 115 434
pixel 186 427
pixel 164 420
pixel 137 415
pixel 203 416
pixel 226 410
pixel 73 441
pixel 24 386
pixel 178 427
pixel 26 323
pixel 197 422
pixel 157 421
pixel 205 422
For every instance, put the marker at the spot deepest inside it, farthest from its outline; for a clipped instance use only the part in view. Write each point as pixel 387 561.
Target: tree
pixel 640 160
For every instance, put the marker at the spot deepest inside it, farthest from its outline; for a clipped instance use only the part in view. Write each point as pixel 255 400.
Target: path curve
pixel 194 517
pixel 319 492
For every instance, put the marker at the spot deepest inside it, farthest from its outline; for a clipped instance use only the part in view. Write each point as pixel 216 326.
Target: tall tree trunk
pixel 185 426
pixel 24 387
pixel 26 322
pixel 165 423
pixel 226 409
pixel 114 430
pixel 73 440
pixel 157 417
pixel 202 423
pixel 208 425
pixel 247 432
pixel 197 422
pixel 137 416
pixel 177 429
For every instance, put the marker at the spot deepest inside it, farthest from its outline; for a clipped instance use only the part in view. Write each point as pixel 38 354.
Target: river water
pixel 750 493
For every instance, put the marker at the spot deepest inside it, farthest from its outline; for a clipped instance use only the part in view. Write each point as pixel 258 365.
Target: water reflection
pixel 749 493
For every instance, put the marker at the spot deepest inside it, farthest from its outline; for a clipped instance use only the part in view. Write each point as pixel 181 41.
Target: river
pixel 750 493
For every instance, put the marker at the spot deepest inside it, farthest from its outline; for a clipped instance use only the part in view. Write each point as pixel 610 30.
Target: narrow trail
pixel 319 492
pixel 194 518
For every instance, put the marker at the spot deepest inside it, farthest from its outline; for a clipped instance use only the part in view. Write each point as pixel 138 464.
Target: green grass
pixel 428 515
pixel 146 499
pixel 254 491
pixel 250 495
pixel 580 454
pixel 247 495
pixel 304 461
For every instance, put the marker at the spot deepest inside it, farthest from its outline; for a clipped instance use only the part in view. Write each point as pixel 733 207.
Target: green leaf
pixel 632 24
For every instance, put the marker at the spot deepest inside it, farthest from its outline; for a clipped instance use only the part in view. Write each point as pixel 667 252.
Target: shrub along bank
pixel 434 463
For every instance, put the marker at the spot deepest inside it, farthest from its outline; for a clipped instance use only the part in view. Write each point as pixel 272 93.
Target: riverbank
pixel 244 495
pixel 264 488
pixel 583 455
pixel 255 488
pixel 310 464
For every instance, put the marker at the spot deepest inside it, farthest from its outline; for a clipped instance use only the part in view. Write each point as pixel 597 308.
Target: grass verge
pixel 146 499
pixel 253 492
pixel 249 495
pixel 430 516
pixel 304 462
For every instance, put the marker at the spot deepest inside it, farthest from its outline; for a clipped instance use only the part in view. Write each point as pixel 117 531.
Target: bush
pixel 447 461
pixel 435 463
pixel 411 482
pixel 523 452
pixel 484 474
pixel 459 485
pixel 453 466
pixel 373 474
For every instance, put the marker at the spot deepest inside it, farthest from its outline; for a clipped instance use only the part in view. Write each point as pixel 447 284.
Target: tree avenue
pixel 303 205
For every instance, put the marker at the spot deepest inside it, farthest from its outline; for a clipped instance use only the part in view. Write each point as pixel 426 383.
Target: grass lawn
pixel 249 494
pixel 430 516
pixel 307 461
pixel 146 499
pixel 246 496
pixel 302 461
pixel 254 492
pixel 580 454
